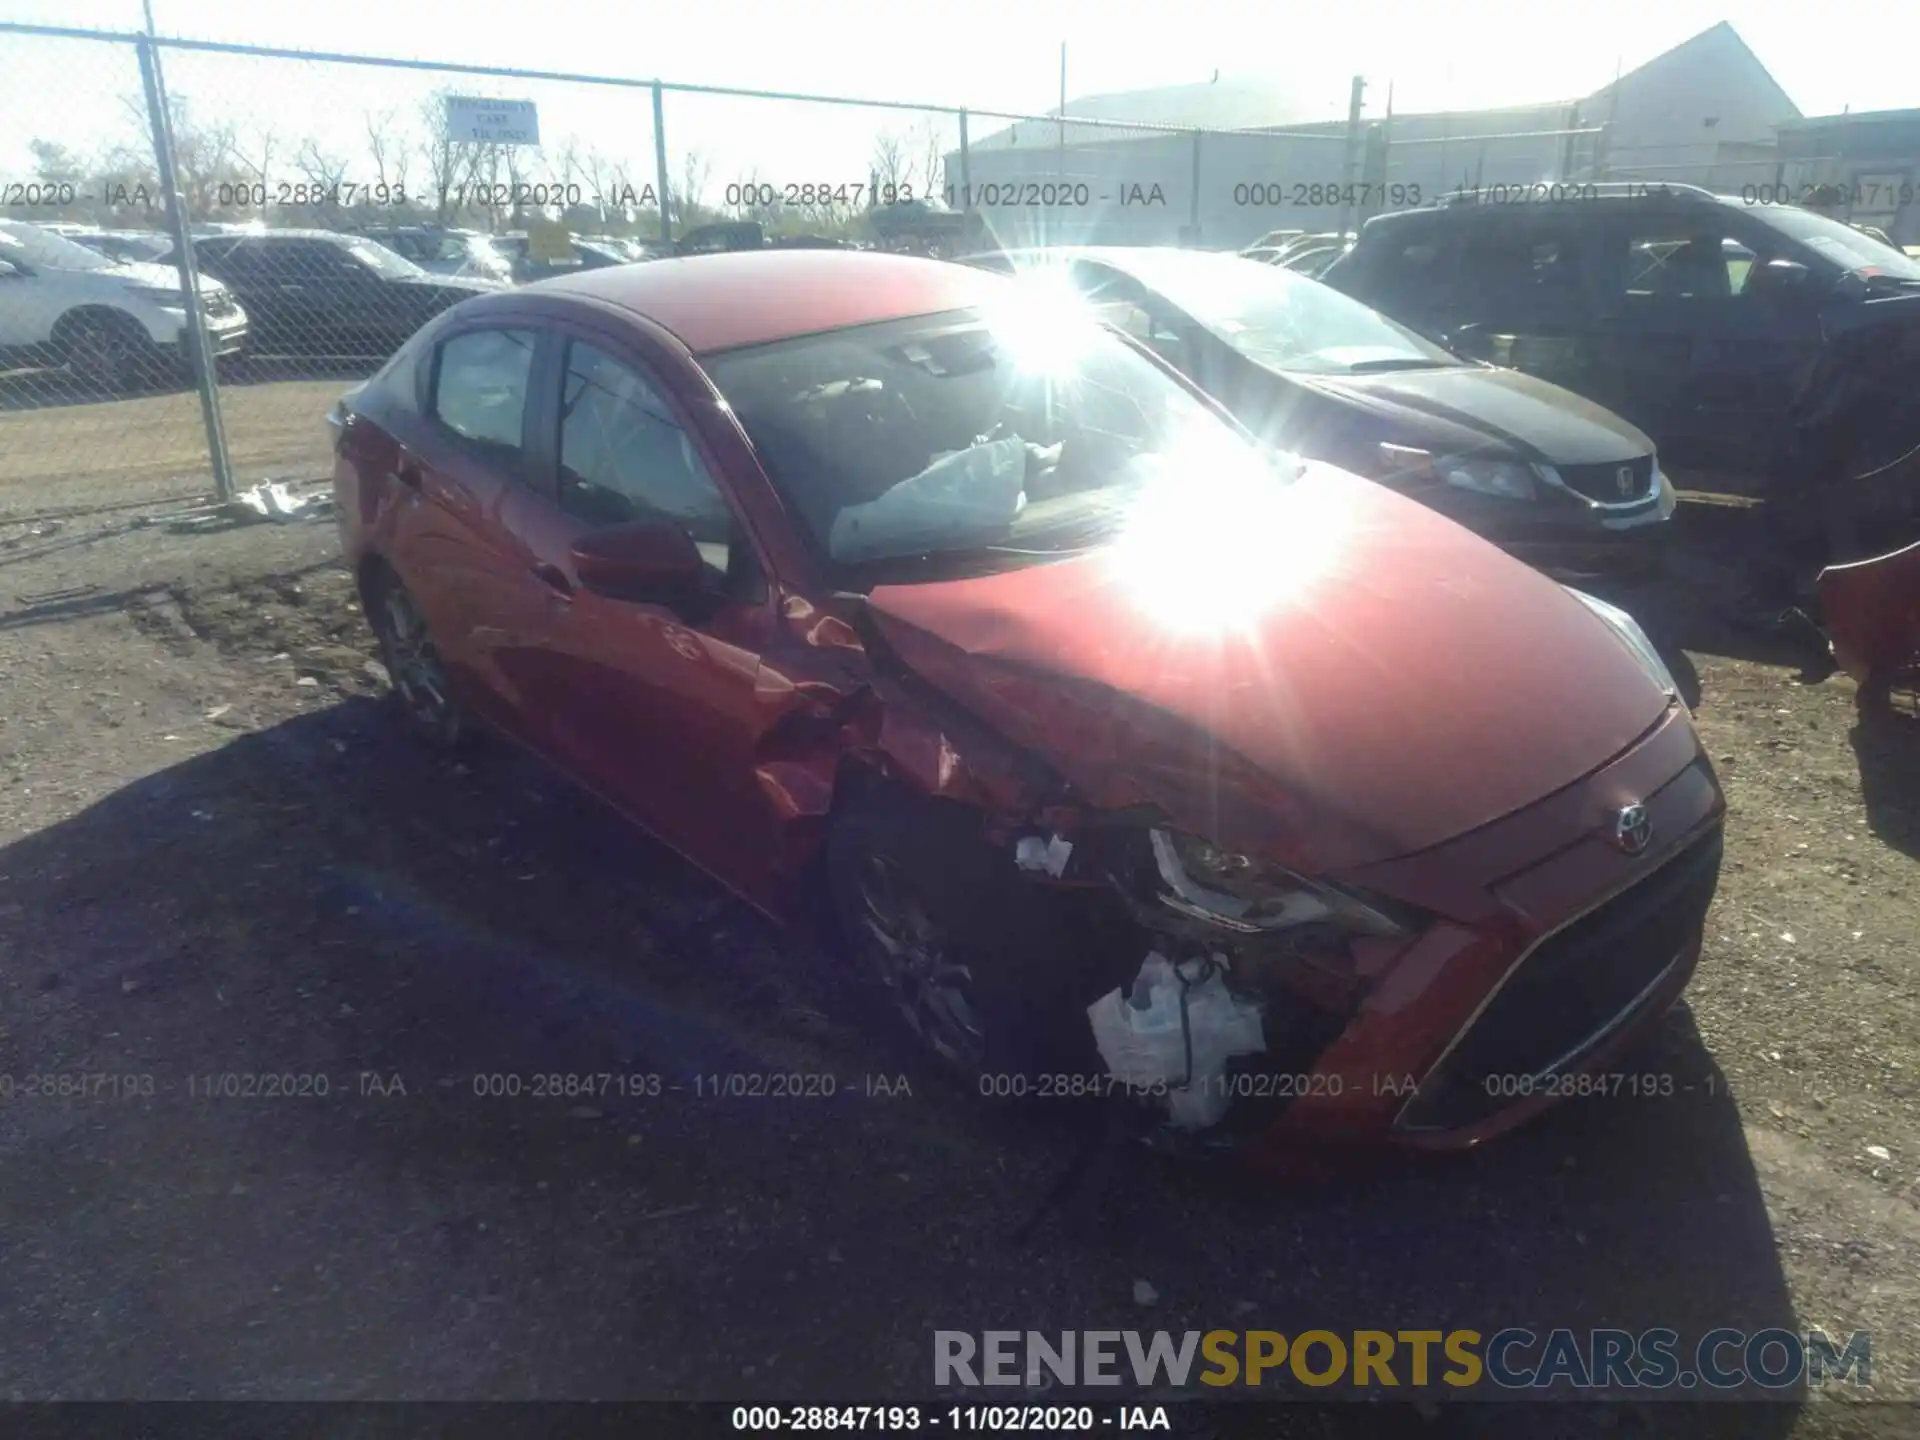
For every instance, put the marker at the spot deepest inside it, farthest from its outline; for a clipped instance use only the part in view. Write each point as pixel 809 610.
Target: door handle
pixel 407 472
pixel 555 579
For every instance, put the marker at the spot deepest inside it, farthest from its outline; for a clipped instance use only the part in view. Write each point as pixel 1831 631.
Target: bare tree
pixel 390 149
pixel 451 164
pixel 203 155
pixel 690 191
pixel 933 151
pixel 892 166
pixel 325 174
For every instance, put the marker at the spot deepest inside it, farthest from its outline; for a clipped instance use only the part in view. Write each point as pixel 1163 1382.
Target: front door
pixel 657 707
pixel 1703 351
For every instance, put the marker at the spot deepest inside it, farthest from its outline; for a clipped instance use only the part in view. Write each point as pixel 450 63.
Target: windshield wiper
pixel 1410 362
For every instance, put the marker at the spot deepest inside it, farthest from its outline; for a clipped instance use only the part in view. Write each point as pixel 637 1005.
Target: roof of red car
pixel 715 302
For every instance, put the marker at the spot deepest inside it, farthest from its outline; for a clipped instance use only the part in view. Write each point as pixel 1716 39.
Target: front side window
pixel 481 385
pixel 623 456
pixel 1678 259
pixel 46 250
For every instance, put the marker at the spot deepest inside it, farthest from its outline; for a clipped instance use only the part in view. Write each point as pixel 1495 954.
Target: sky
pixel 986 55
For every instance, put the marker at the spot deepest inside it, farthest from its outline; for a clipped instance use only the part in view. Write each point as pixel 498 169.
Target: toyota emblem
pixel 1632 828
pixel 1624 479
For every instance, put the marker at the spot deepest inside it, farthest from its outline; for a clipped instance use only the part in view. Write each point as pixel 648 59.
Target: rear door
pixel 465 468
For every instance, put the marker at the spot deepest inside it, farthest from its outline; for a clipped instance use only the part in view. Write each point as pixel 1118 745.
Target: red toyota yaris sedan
pixel 1109 734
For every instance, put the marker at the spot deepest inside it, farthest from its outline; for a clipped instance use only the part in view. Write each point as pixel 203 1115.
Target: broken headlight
pixel 1247 894
pixel 1628 632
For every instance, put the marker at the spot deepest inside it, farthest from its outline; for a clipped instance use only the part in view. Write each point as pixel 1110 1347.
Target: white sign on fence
pixel 499 122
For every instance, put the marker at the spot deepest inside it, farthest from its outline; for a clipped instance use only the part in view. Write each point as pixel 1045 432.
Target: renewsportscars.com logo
pixel 1511 1359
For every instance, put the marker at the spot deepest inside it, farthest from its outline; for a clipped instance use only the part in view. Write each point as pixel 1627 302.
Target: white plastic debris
pixel 1145 1044
pixel 272 500
pixel 1030 852
pixel 1879 1152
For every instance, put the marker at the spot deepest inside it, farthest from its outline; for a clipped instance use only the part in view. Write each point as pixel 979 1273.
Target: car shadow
pixel 435 943
pixel 1886 743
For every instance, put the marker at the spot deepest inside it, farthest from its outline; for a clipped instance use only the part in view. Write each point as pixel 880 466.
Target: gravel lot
pixel 216 857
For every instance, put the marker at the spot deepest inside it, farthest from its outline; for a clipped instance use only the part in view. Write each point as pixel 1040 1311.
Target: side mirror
pixel 1470 341
pixel 10 271
pixel 651 561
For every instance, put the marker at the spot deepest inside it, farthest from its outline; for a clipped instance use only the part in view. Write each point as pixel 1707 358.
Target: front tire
pixel 109 352
pixel 961 955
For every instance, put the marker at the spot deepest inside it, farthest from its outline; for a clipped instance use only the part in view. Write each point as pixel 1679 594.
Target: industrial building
pixel 1236 160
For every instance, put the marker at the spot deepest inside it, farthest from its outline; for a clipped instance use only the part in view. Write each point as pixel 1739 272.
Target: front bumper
pixel 1566 541
pixel 1558 951
pixel 226 331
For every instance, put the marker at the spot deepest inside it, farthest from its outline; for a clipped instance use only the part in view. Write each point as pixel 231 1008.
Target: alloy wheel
pixel 914 956
pixel 414 665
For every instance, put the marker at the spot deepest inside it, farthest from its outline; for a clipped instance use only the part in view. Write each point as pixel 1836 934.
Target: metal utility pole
pixel 1353 151
pixel 1060 160
pixel 159 119
pixel 660 160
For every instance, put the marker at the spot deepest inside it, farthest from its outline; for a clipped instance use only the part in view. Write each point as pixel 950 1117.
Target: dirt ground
pixel 217 858
pixel 54 451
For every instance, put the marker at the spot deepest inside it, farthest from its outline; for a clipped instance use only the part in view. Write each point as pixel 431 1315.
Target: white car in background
pixel 114 326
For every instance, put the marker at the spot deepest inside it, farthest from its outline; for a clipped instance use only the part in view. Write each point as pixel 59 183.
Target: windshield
pixel 1282 320
pixel 1007 437
pixel 386 263
pixel 44 249
pixel 1841 244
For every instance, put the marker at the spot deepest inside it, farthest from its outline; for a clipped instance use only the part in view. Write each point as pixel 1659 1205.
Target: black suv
pixel 1753 342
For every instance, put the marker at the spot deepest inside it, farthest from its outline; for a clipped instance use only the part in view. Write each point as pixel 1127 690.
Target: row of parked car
pixel 107 304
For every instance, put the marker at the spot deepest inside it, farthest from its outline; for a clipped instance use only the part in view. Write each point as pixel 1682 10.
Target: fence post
pixel 660 160
pixel 1193 197
pixel 1352 152
pixel 179 230
pixel 966 168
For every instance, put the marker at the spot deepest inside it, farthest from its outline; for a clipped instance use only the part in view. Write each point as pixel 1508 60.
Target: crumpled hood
pixel 1389 680
pixel 1527 416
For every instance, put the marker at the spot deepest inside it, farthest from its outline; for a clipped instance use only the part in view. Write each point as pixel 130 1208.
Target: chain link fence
pixel 328 205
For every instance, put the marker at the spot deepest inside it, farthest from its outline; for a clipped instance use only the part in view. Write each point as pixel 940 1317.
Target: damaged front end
pixel 1250 969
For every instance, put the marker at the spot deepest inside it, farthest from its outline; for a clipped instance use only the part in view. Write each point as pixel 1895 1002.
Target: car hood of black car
pixel 1473 407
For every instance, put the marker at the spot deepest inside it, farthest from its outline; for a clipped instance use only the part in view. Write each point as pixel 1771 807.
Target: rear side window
pixel 480 385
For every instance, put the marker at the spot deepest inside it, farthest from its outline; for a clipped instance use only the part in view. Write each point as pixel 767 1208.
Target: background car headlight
pixel 1509 479
pixel 1632 636
pixel 1249 894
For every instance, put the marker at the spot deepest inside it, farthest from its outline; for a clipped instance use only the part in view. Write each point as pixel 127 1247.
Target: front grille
pixel 1603 482
pixel 1570 992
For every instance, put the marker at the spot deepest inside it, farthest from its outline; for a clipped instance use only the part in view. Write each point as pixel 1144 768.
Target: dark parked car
pixel 865 577
pixel 316 293
pixel 1748 340
pixel 584 254
pixel 443 251
pixel 1542 472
